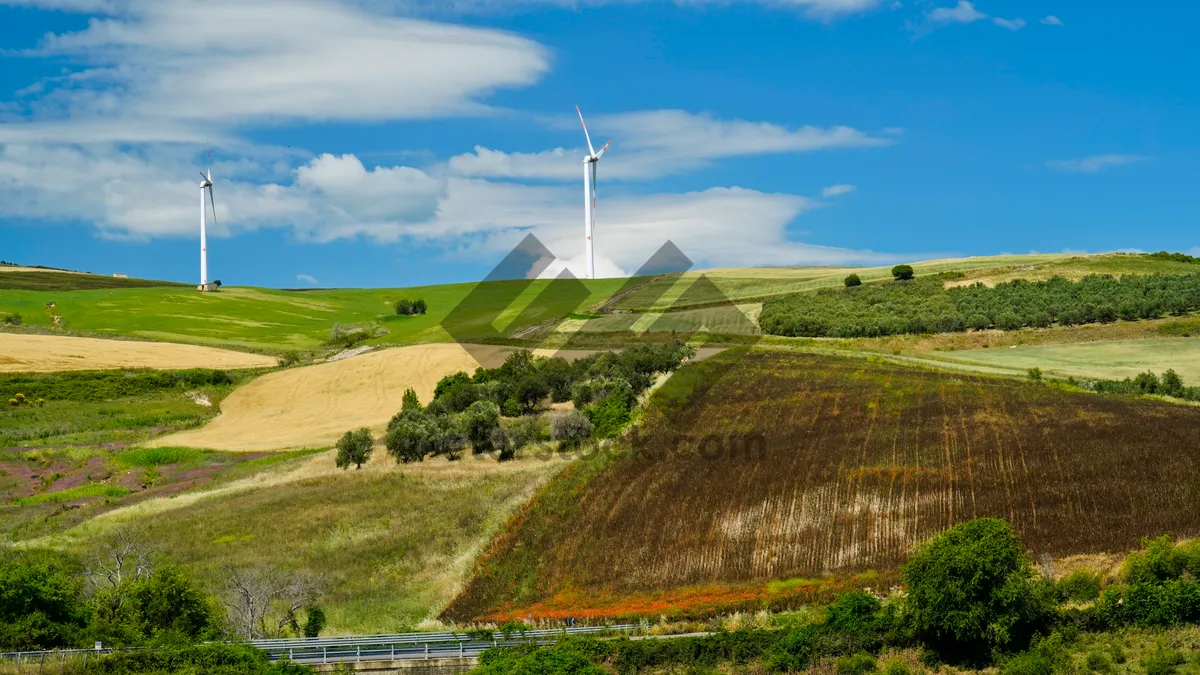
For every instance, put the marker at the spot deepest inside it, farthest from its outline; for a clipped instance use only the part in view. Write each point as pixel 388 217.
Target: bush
pixel 1035 374
pixel 405 307
pixel 570 429
pixel 289 358
pixel 852 280
pixel 314 622
pixel 1079 585
pixel 902 272
pixel 13 319
pixel 610 415
pixel 211 659
pixel 410 402
pixel 354 447
pixel 41 605
pixel 971 591
pixel 857 664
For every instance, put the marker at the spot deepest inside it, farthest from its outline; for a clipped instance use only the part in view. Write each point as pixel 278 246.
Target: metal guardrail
pixel 391 647
pixel 412 646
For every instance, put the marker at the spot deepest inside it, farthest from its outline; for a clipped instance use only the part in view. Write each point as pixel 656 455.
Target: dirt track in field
pixel 313 406
pixel 49 353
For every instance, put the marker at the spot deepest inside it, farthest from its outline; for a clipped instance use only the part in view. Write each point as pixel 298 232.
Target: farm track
pixel 861 462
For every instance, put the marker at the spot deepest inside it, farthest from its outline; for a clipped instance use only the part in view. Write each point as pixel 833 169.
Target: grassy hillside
pixel 275 320
pixel 791 467
pixel 393 544
pixel 31 279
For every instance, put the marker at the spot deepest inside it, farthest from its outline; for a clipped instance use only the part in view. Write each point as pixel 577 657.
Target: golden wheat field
pixel 313 406
pixel 49 353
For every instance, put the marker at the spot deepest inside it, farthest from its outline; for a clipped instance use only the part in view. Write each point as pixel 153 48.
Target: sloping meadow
pixel 763 465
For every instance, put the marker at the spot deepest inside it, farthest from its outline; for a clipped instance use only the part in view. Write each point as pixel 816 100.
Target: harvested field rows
pixel 47 353
pixel 801 465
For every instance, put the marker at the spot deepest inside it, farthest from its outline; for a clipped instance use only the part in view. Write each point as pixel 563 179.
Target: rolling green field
pixel 1113 359
pixel 54 280
pixel 272 320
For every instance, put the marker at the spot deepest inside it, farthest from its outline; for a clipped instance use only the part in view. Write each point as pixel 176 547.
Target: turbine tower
pixel 589 197
pixel 206 184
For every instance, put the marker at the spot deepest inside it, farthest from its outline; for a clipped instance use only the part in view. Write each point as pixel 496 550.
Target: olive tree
pixel 354 447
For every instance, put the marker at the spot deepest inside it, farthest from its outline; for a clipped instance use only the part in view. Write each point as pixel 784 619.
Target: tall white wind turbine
pixel 589 197
pixel 206 184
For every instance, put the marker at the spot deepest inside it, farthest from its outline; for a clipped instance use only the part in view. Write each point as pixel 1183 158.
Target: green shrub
pixel 902 272
pixel 211 659
pixel 852 280
pixel 41 600
pixel 971 591
pixel 857 664
pixel 1080 585
pixel 1099 662
pixel 314 621
pixel 1163 660
pixel 896 667
pixel 1035 374
pixel 290 358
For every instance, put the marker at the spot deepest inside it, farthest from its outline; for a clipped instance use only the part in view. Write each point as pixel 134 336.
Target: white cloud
pixel 837 190
pixel 307 278
pixel 965 12
pixel 822 10
pixel 231 62
pixel 1052 20
pixel 1094 163
pixel 1011 24
pixel 656 143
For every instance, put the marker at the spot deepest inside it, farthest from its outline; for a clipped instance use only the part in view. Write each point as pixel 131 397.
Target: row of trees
pixel 1146 384
pixel 925 306
pixel 124 596
pixel 499 410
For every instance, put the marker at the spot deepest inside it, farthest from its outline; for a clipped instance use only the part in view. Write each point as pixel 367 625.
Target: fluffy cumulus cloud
pixel 1094 163
pixel 113 142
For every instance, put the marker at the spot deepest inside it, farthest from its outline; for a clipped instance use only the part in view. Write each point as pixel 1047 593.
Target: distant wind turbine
pixel 589 197
pixel 206 184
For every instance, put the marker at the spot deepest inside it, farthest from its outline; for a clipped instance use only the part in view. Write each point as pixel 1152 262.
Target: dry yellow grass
pixel 313 406
pixel 47 353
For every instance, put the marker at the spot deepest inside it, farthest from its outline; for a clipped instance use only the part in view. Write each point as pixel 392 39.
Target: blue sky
pixel 404 142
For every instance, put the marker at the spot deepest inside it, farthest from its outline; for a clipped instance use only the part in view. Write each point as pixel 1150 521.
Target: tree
pixel 410 402
pixel 314 621
pixel 902 272
pixel 404 307
pixel 41 600
pixel 354 447
pixel 570 429
pixel 1171 384
pixel 263 601
pixel 167 608
pixel 852 280
pixel 480 420
pixel 410 437
pixel 419 306
pixel 971 591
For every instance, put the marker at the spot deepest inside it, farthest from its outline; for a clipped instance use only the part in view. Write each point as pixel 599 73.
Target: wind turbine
pixel 589 197
pixel 206 184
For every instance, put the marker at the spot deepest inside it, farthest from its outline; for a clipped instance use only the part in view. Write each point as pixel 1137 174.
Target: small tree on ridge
pixel 354 447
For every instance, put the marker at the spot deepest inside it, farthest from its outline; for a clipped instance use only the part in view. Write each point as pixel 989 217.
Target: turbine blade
pixel 585 132
pixel 213 200
pixel 203 176
pixel 602 150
